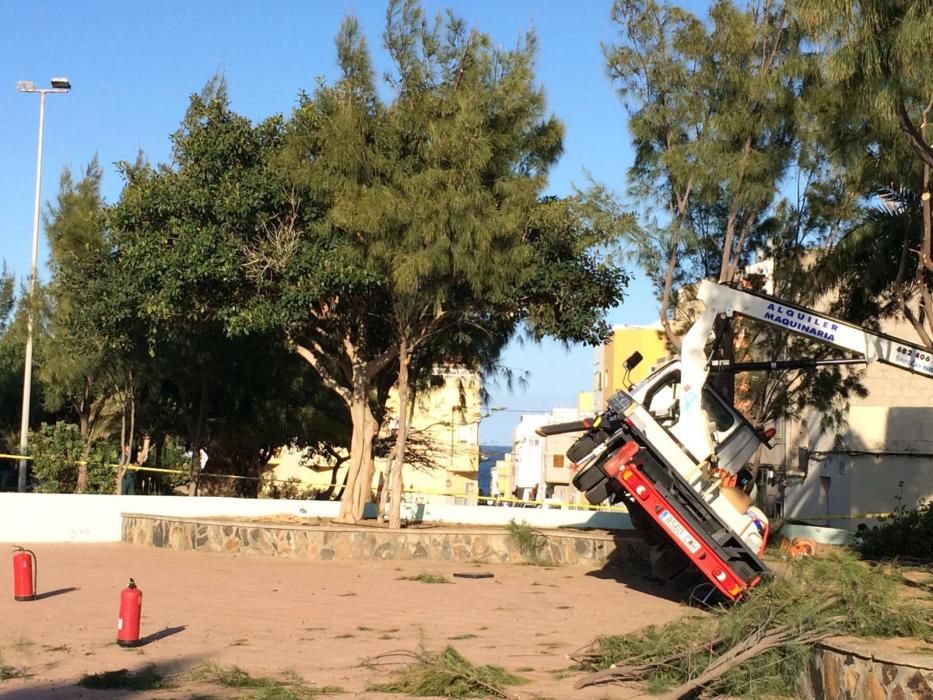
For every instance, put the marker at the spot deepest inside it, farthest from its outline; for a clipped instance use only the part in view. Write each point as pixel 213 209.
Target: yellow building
pixel 609 375
pixel 585 405
pixel 443 444
pixel 443 452
pixel 503 480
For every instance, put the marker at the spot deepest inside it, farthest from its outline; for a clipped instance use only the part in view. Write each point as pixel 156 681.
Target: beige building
pixel 880 459
pixel 443 449
pixel 608 373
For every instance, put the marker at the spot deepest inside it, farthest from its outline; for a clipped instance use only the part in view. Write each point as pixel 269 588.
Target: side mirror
pixel 632 361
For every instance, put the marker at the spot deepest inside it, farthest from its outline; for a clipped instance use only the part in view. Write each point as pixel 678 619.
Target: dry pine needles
pixel 759 647
pixel 447 674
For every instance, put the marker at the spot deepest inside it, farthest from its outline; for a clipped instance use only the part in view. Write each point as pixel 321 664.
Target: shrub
pixel 530 543
pixel 908 532
pixel 292 489
pixel 56 450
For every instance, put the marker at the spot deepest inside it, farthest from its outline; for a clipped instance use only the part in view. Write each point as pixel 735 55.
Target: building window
pixel 559 461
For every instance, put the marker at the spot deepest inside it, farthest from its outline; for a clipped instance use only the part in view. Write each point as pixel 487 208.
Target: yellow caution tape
pixel 489 499
pixel 855 516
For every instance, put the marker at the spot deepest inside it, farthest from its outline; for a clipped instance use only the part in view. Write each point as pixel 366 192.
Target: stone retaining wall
pixel 576 548
pixel 857 669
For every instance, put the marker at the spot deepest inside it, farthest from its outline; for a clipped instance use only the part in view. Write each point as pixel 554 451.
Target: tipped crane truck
pixel 675 452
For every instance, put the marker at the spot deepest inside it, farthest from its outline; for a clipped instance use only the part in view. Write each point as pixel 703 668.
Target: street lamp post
pixel 59 86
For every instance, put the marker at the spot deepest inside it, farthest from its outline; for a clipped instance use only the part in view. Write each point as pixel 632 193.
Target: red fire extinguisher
pixel 25 574
pixel 131 604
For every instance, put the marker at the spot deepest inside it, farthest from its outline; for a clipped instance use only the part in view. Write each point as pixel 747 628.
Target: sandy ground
pixel 318 619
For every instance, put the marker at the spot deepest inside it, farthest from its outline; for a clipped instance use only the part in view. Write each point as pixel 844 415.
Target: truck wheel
pixel 667 562
pixel 649 530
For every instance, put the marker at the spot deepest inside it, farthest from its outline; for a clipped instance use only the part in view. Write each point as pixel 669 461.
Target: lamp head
pixel 25 86
pixel 61 83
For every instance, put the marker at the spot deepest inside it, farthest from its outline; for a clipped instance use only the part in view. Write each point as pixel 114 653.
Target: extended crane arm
pixel 721 299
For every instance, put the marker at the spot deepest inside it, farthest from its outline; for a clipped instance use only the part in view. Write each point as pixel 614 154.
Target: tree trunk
pixel 194 468
pixel 672 337
pixel 927 223
pixel 124 452
pixel 127 435
pixel 404 356
pixel 84 420
pixel 386 486
pixel 358 490
pixel 81 487
pixel 328 493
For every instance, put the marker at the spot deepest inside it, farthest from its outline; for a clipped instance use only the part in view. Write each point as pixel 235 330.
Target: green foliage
pixel 814 597
pixel 8 672
pixel 289 687
pixel 573 277
pixel 180 305
pixel 875 56
pixel 74 358
pixel 713 117
pixel 906 533
pixel 291 488
pixel 426 577
pixel 56 450
pixel 529 542
pixel 147 678
pixel 450 675
pixel 7 296
pixel 412 238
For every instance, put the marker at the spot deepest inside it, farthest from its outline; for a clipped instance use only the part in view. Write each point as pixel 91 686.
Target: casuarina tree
pixel 410 238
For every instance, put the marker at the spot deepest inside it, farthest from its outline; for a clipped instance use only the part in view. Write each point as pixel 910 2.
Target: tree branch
pixel 325 375
pixel 914 137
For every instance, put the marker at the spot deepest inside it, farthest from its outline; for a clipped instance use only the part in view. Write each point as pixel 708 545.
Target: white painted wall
pixel 882 459
pixel 46 517
pixel 53 517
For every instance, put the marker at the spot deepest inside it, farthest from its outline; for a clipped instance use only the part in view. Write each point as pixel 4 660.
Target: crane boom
pixel 809 323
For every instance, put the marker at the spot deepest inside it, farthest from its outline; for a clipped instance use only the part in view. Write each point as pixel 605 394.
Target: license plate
pixel 680 532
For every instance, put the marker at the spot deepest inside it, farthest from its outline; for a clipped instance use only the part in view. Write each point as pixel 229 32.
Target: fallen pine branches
pixel 759 647
pixel 447 674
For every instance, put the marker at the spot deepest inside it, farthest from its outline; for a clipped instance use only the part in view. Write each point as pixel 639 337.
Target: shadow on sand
pixel 57 591
pixel 630 564
pixel 161 634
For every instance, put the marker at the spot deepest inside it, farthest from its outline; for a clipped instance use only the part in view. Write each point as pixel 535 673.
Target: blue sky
pixel 133 66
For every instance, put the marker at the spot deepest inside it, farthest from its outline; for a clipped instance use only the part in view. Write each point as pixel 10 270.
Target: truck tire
pixel 668 562
pixel 649 530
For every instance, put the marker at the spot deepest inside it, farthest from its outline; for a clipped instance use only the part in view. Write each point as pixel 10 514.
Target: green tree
pixel 60 457
pixel 75 361
pixel 714 124
pixel 11 377
pixel 179 231
pixel 411 244
pixel 657 65
pixel 876 55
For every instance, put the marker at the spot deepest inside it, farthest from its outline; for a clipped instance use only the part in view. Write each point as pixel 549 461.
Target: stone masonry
pixel 855 669
pixel 575 548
